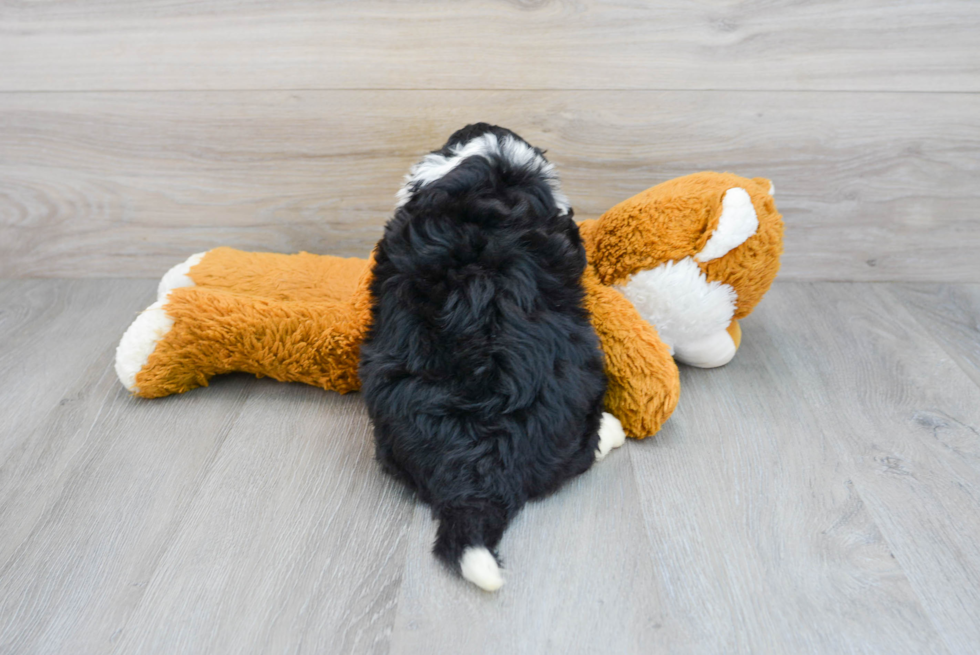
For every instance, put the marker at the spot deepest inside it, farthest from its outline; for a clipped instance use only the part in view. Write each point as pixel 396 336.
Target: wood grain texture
pixel 818 494
pixel 951 315
pixel 872 186
pixel 56 339
pixel 101 491
pixel 580 577
pixel 96 526
pixel 295 542
pixel 89 508
pixel 528 44
pixel 756 526
pixel 903 419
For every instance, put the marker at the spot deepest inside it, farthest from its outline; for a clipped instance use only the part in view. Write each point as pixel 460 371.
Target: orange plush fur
pixel 302 317
pixel 674 220
pixel 295 318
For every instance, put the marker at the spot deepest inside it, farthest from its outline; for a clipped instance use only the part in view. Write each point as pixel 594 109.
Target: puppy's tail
pixel 467 537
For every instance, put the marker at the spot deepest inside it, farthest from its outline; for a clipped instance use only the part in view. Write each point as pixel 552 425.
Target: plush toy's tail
pixel 297 318
pixel 467 537
pixel 151 326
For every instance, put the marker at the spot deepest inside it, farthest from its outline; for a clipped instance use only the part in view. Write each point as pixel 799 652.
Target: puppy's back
pixel 481 371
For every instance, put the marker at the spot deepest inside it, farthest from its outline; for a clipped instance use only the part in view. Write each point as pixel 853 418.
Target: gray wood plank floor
pixel 951 314
pixel 819 494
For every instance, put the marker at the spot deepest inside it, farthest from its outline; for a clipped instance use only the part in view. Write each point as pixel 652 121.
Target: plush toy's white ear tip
pixel 772 189
pixel 738 221
pixel 139 341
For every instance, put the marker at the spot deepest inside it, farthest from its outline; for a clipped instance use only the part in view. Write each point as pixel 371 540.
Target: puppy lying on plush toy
pixel 671 270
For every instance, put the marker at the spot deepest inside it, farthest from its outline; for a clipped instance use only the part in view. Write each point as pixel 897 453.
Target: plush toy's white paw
pixel 611 435
pixel 178 276
pixel 139 341
pixel 709 352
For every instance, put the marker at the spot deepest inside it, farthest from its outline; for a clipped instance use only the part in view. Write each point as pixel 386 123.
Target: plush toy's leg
pixel 644 384
pixel 712 351
pixel 194 333
pixel 302 276
pixel 692 315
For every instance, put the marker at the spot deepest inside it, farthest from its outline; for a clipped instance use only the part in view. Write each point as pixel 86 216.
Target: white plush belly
pixel 679 301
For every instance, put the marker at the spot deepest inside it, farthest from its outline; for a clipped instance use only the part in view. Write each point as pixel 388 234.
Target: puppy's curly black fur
pixel 481 371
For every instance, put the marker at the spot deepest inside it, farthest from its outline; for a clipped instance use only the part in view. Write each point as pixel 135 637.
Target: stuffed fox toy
pixel 671 270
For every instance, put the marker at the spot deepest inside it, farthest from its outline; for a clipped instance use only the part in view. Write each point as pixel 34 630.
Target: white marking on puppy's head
pixel 517 153
pixel 738 221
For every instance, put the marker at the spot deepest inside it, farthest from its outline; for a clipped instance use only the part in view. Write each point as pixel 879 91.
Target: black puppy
pixel 481 371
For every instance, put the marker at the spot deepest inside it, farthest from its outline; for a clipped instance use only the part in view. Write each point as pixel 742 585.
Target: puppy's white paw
pixel 479 567
pixel 611 435
pixel 139 341
pixel 178 276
